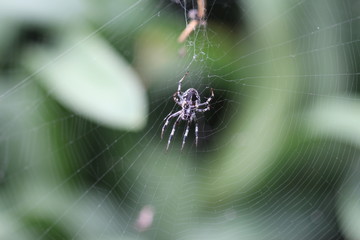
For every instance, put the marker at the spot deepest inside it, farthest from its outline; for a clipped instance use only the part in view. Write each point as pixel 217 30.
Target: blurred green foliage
pixel 84 86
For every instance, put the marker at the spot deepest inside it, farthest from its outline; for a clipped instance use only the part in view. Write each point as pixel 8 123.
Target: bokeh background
pixel 85 86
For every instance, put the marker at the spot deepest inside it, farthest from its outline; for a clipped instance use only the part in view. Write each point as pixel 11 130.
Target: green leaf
pixel 336 118
pixel 42 12
pixel 86 75
pixel 349 204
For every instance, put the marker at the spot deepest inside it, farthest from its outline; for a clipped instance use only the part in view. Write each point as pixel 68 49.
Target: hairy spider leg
pixel 203 110
pixel 182 79
pixel 211 96
pixel 208 100
pixel 196 132
pixel 172 132
pixel 168 117
pixel 185 134
pixel 178 98
pixel 178 92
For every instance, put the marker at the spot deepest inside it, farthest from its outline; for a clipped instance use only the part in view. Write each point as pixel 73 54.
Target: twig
pixel 199 20
pixel 201 9
pixel 189 28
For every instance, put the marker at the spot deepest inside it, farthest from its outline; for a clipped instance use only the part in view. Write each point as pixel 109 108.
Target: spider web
pixel 278 151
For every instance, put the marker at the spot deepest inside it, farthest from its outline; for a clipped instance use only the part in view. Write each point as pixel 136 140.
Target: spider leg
pixel 211 96
pixel 196 133
pixel 208 100
pixel 172 132
pixel 177 98
pixel 168 117
pixel 182 79
pixel 203 110
pixel 178 92
pixel 207 103
pixel 185 135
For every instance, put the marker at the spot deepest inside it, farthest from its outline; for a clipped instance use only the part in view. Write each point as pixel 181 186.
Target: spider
pixel 190 104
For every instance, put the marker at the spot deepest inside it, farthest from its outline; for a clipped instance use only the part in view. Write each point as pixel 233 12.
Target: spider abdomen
pixel 191 96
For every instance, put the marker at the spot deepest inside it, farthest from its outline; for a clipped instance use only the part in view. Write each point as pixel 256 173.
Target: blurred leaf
pixel 230 226
pixel 156 56
pixel 86 75
pixel 258 137
pixel 10 228
pixel 63 213
pixel 338 117
pixel 7 32
pixel 349 205
pixel 41 11
pixel 120 18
